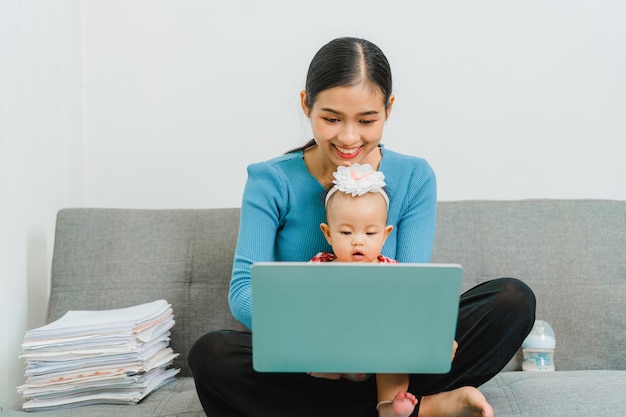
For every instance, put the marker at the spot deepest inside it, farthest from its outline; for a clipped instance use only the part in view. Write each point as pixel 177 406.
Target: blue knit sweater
pixel 283 206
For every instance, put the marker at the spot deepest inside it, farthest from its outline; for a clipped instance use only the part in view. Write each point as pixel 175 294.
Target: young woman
pixel 348 98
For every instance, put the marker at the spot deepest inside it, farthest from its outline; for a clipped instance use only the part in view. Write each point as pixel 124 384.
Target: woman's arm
pixel 260 219
pixel 416 221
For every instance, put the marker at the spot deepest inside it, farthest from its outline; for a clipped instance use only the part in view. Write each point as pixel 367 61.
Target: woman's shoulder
pixel 398 162
pixel 285 163
pixel 397 156
pixel 285 174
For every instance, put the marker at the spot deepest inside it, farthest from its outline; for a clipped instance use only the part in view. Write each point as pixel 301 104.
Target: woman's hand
pixel 455 346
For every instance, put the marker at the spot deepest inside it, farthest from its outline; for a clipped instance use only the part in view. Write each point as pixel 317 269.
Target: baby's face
pixel 356 226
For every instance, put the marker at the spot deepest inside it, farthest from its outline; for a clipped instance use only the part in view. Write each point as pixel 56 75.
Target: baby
pixel 356 228
pixel 356 216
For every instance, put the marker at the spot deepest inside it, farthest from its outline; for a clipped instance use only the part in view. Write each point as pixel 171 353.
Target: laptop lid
pixel 354 317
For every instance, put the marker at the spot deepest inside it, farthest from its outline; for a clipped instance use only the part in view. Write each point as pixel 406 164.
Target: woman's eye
pixel 331 120
pixel 367 122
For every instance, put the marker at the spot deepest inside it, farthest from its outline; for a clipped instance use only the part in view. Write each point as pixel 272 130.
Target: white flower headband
pixel 358 179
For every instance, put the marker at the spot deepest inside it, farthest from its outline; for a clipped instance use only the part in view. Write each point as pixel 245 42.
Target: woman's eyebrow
pixel 365 113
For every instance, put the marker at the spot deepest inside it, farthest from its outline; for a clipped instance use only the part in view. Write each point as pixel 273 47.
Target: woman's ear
pixel 326 230
pixel 392 99
pixel 305 107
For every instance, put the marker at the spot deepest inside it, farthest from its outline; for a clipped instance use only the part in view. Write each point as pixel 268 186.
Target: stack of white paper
pixel 87 357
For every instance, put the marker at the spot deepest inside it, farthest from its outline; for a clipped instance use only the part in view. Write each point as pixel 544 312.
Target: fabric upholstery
pixel 111 258
pixel 566 394
pixel 570 252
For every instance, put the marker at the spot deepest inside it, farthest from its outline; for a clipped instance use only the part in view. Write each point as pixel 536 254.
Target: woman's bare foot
pixel 461 402
pixel 402 405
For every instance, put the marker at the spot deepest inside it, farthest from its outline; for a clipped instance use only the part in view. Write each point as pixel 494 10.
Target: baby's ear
pixel 326 230
pixel 388 230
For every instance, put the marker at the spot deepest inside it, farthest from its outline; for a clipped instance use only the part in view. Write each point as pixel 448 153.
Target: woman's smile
pixel 348 153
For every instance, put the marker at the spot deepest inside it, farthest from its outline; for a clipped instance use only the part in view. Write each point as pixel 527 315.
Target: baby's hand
pixel 325 375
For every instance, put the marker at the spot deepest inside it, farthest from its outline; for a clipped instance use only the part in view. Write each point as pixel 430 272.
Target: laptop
pixel 354 317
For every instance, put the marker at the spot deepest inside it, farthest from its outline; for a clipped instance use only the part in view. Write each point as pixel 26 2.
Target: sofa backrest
pixel 570 252
pixel 112 258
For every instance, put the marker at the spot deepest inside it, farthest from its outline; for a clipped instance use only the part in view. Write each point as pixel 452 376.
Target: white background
pixel 153 103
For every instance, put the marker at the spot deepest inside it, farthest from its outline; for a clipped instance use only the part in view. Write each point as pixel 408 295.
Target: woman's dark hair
pixel 345 62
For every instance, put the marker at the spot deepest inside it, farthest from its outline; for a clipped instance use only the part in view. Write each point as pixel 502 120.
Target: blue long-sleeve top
pixel 283 206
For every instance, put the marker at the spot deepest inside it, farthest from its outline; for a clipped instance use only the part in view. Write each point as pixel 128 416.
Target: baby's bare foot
pixel 402 405
pixel 461 402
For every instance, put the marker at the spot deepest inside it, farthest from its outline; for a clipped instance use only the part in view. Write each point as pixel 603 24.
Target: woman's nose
pixel 349 133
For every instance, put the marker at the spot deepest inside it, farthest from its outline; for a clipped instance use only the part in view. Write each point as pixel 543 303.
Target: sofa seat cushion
pixel 176 399
pixel 512 394
pixel 566 393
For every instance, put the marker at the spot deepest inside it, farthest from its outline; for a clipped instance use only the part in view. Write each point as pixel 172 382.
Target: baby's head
pixel 356 214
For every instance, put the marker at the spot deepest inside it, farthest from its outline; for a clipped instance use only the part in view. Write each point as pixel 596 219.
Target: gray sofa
pixel 572 253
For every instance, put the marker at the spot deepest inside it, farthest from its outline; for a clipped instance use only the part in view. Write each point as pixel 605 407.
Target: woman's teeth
pixel 346 151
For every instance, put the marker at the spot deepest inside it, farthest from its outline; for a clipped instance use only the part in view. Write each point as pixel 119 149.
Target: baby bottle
pixel 538 348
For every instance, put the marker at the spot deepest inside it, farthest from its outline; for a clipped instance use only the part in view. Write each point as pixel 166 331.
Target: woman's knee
pixel 200 352
pixel 508 300
pixel 516 294
pixel 211 352
pixel 514 302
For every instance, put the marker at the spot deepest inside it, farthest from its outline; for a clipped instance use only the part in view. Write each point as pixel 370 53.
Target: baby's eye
pixel 345 233
pixel 371 233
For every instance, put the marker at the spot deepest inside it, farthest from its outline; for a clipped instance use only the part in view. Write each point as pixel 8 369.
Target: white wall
pixel 507 100
pixel 40 161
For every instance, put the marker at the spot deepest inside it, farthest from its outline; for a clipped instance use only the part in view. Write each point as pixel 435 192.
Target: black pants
pixel 494 319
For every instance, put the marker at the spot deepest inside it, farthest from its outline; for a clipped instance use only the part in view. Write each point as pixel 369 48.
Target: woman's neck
pixel 322 168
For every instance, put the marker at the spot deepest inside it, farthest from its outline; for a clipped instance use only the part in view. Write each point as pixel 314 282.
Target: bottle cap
pixel 540 337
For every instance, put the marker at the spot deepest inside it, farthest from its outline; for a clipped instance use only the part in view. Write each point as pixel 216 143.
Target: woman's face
pixel 348 122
